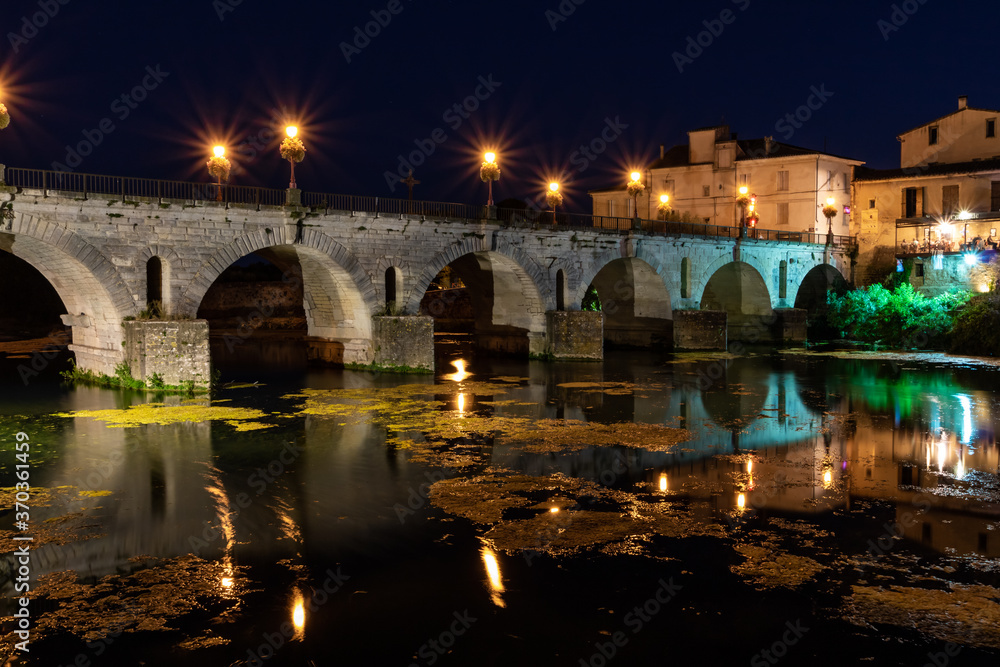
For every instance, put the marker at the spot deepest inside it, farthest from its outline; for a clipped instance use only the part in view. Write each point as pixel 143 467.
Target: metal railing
pixel 151 189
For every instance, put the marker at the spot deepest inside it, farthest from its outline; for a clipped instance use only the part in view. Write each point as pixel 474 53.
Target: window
pixel 782 181
pixel 932 136
pixel 949 199
pixel 871 203
pixel 707 191
pixel 913 202
pixel 918 270
pixel 782 213
pixel 991 128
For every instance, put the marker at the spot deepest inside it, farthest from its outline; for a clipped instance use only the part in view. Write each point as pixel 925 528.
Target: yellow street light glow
pixel 741 502
pixel 830 201
pixel 299 613
pixel 964 215
pixel 554 510
pixel 291 130
pixel 491 157
pixel 663 482
pixel 744 189
pixel 636 176
pixel 828 478
pixel 984 288
pixel 554 187
pixel 664 199
pixel 220 151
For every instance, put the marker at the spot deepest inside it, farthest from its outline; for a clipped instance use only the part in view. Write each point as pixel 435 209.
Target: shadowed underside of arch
pixel 338 297
pixel 90 287
pixel 635 302
pixel 739 289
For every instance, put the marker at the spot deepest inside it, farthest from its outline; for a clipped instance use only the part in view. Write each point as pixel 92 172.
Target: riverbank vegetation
pixel 895 315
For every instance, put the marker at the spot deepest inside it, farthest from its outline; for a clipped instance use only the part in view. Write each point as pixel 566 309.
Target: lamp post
pixel 4 122
pixel 664 207
pixel 293 150
pixel 743 200
pixel 218 167
pixel 830 211
pixel 489 172
pixel 554 199
pixel 635 188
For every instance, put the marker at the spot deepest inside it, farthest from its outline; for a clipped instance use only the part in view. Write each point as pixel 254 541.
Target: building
pixel 703 177
pixel 943 200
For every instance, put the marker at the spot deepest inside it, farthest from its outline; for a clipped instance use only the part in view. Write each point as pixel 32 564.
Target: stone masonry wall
pixel 177 351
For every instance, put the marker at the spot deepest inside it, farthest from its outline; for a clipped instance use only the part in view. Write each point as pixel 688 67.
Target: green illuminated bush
pixel 977 327
pixel 901 317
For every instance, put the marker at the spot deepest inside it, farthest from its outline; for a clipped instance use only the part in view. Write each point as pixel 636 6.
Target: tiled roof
pixel 868 174
pixel 750 149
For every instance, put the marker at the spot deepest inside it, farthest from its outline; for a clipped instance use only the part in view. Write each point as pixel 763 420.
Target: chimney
pixel 963 102
pixel 661 151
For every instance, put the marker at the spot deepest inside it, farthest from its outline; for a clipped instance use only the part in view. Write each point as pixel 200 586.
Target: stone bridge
pixel 108 257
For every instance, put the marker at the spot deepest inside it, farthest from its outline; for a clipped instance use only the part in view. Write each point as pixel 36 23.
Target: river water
pixel 794 507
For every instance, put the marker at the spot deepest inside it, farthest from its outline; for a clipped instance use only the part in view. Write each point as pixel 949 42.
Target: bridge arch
pixel 509 290
pixel 93 290
pixel 739 289
pixel 339 297
pixel 636 303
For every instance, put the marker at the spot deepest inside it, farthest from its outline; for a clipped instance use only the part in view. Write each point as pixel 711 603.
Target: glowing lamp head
pixel 491 157
pixel 664 199
pixel 220 151
pixel 554 187
pixel 830 201
pixel 970 259
pixel 291 131
pixel 744 189
pixel 636 176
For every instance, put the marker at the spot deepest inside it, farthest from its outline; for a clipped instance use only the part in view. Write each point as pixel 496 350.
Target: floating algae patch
pixel 157 413
pixel 248 426
pixel 965 614
pixel 769 567
pixel 149 599
pixel 569 514
pixel 560 435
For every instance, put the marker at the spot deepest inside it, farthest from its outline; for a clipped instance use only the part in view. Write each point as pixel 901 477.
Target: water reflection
pixel 493 574
pixel 770 438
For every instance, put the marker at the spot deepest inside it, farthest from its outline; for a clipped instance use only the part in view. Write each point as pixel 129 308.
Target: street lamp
pixel 218 167
pixel 664 207
pixel 489 172
pixel 293 150
pixel 830 211
pixel 635 188
pixel 554 199
pixel 4 122
pixel 743 200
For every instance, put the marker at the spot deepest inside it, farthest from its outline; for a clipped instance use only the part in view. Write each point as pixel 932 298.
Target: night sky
pixel 550 77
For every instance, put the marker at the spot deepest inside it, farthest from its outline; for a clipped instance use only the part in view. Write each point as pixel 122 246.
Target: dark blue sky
pixel 220 69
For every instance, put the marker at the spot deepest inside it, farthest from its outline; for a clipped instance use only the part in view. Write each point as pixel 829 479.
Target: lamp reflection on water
pixel 663 482
pixel 460 372
pixel 461 403
pixel 493 576
pixel 299 616
pixel 741 502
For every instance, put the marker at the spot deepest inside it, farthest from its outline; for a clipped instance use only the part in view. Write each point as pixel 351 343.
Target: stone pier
pixel 176 351
pixel 404 341
pixel 700 330
pixel 575 334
